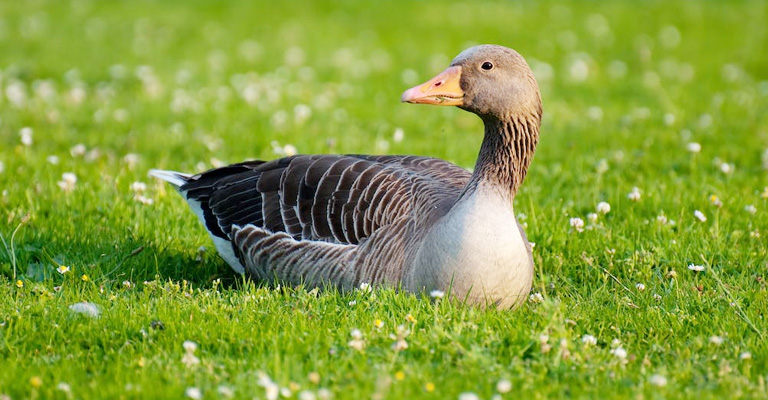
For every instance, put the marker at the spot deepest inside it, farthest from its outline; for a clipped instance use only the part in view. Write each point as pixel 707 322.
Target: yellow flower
pixel 429 387
pixel 378 323
pixel 36 382
pixel 85 278
pixel 410 319
pixel 63 269
pixel 399 375
pixel 19 283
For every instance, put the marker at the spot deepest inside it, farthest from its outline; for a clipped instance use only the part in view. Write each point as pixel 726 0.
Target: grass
pixel 189 84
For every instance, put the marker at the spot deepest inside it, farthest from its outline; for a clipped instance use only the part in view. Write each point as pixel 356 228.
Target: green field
pixel 667 97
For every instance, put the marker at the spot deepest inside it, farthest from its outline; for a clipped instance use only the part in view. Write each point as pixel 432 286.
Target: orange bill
pixel 442 90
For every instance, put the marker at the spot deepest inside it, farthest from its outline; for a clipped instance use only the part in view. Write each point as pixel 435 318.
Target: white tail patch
pixel 174 178
pixel 223 246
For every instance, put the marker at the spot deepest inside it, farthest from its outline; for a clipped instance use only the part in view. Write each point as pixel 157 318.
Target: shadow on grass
pixel 111 262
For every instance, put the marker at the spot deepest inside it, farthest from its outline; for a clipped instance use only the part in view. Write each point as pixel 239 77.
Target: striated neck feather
pixel 506 153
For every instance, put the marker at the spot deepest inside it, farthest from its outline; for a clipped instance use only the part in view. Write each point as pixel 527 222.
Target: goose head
pixel 491 81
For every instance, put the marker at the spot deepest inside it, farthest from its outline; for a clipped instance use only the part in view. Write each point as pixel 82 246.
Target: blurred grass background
pixel 188 85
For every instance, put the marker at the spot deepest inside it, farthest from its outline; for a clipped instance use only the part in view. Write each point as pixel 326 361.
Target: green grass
pixel 223 82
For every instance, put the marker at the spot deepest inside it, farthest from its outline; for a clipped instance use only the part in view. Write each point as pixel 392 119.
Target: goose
pixel 416 223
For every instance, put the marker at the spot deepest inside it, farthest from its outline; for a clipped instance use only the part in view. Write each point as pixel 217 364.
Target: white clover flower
pixel 399 135
pixel 272 391
pixel 138 187
pixel 750 209
pixel 716 340
pixel 634 195
pixel 579 70
pixel 26 136
pixel 16 92
pixel 366 287
pixel 190 360
pixel 745 356
pixel 193 393
pixel 306 395
pixel 619 353
pixel 263 379
pixel 503 386
pixel 67 182
pixel 324 394
pixel 640 287
pixel 577 223
pixel 357 344
pixel 693 147
pixel 64 387
pixel 657 297
pixel 696 268
pixel 592 217
pixel 189 346
pixel 589 340
pixel 400 345
pixel 536 298
pixel 225 391
pixel 603 207
pixel 78 150
pixel 76 95
pixel 2 167
pixel 699 215
pixel 468 396
pixel 143 200
pixel 353 303
pixel 657 380
pixel 357 341
pixel 727 168
pixel 290 150
pixel 662 219
pixel 131 159
pixel 52 159
pixel 437 294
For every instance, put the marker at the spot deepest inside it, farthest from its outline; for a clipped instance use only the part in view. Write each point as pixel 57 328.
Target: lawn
pixel 659 109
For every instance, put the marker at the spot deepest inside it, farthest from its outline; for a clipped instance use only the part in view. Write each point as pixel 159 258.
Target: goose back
pixel 340 199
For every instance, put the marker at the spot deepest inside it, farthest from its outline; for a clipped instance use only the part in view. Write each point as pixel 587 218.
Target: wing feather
pixel 340 199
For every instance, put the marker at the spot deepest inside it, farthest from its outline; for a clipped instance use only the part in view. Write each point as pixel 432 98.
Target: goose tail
pixel 177 179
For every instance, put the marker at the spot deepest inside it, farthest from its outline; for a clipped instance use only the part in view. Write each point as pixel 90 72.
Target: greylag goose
pixel 418 223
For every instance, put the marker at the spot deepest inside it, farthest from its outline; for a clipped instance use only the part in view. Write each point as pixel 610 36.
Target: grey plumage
pixel 419 222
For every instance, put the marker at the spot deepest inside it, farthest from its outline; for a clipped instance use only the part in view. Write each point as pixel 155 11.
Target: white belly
pixel 477 252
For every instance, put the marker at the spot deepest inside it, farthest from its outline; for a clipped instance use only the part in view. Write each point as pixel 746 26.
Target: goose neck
pixel 506 153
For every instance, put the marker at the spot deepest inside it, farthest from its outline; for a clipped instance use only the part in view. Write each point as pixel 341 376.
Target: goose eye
pixel 487 66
